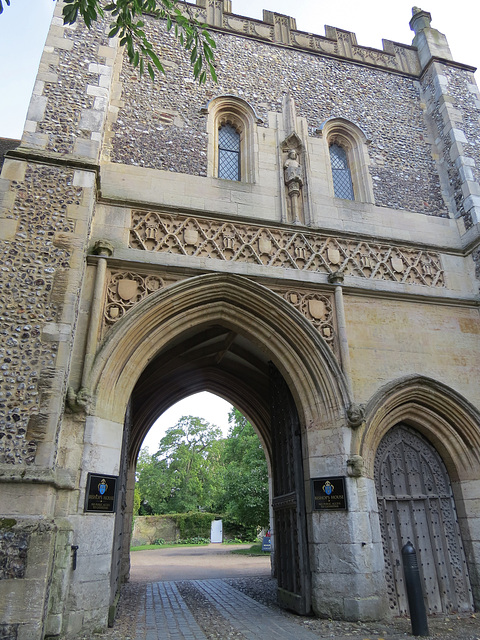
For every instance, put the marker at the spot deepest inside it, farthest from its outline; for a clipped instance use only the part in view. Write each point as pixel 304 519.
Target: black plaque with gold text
pixel 329 493
pixel 101 493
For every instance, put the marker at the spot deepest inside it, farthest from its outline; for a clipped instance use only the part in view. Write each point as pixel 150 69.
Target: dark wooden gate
pixel 416 503
pixel 115 572
pixel 291 552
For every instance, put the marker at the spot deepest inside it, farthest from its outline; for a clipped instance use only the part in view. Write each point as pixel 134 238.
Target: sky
pixel 24 26
pixel 205 405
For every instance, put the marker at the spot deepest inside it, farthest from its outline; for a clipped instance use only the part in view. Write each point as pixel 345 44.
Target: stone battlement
pixel 282 30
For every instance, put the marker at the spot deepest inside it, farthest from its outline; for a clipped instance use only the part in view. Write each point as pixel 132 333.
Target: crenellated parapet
pixel 281 29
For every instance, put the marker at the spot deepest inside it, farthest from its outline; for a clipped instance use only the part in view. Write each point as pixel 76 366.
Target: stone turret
pixel 429 42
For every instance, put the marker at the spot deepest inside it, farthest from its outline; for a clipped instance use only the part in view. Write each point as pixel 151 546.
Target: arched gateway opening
pixel 233 337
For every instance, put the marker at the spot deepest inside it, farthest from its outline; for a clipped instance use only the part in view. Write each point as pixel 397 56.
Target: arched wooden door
pixel 416 503
pixel 291 552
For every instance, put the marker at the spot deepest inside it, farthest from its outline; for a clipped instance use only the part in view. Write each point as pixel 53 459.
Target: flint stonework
pixel 131 276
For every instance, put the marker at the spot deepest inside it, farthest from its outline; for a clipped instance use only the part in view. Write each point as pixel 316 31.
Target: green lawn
pixel 171 545
pixel 254 550
pixel 167 545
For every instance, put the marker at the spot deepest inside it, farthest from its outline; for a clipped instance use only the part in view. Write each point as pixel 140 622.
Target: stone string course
pixel 161 124
pixel 31 264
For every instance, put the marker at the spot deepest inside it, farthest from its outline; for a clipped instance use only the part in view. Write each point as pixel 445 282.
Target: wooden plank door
pixel 291 552
pixel 416 503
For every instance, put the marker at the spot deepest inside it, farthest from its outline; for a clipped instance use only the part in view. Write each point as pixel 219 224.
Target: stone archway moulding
pixel 304 359
pixel 444 417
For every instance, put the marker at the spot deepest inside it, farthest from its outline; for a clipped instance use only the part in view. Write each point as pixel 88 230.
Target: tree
pixel 246 498
pixel 185 473
pixel 137 501
pixel 152 483
pixel 128 24
pixel 195 468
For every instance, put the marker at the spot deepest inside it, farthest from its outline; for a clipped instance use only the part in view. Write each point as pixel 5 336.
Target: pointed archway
pixel 219 333
pixel 419 427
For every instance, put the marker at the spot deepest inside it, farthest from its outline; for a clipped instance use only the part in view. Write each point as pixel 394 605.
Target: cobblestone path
pixel 164 615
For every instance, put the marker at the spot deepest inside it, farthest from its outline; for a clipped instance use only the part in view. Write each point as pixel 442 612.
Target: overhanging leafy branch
pixel 128 24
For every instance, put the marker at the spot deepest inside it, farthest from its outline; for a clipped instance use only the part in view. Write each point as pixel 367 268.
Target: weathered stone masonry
pixel 118 240
pixel 156 127
pixel 36 260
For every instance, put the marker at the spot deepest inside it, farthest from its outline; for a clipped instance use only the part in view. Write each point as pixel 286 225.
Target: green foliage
pixel 233 528
pixel 194 524
pixel 232 541
pixel 7 523
pixel 246 499
pixel 254 550
pixel 194 540
pixel 167 545
pixel 152 483
pixel 196 472
pixel 128 25
pixel 7 2
pixel 137 501
pixel 185 473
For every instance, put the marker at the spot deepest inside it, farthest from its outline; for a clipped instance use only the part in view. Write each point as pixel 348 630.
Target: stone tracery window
pixel 231 139
pixel 349 160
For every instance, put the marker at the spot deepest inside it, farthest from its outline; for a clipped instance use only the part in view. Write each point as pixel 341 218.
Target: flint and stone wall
pixel 107 157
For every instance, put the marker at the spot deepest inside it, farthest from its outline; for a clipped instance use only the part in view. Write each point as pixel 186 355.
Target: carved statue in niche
pixel 293 175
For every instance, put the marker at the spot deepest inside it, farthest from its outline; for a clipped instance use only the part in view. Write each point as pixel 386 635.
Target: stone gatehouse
pixel 301 238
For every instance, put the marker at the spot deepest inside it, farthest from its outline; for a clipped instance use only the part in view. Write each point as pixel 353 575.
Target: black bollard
pixel 416 603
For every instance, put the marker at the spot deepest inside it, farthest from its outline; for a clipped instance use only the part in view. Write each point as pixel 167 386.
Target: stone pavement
pixel 164 615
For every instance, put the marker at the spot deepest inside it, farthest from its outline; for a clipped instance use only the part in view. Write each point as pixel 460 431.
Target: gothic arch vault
pixel 236 338
pixel 236 303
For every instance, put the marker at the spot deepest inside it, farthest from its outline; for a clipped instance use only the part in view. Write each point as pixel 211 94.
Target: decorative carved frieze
pixel 280 28
pixel 289 249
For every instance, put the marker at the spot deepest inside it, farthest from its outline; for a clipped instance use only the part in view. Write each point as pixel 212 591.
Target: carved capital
pixel 102 248
pixel 78 402
pixel 337 277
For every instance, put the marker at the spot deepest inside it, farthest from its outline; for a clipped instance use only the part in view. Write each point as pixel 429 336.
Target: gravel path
pixel 215 627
